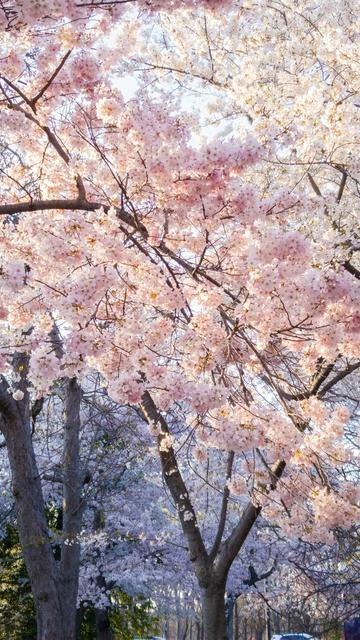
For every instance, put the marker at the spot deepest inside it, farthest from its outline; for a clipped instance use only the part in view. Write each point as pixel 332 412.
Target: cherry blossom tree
pixel 178 267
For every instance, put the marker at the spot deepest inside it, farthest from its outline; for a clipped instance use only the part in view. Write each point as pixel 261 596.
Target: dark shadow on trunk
pixel 213 607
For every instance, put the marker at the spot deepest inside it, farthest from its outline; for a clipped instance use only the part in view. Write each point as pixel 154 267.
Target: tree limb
pixel 76 204
pixel 339 376
pixel 35 99
pixel 176 484
pixel 232 545
pixel 224 506
pixel 351 269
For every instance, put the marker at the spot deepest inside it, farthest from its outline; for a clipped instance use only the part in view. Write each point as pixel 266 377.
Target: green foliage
pixel 17 613
pixel 336 633
pixel 128 617
pixel 132 617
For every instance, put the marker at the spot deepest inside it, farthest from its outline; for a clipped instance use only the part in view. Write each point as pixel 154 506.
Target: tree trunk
pixel 32 527
pixel 267 622
pixel 54 588
pixel 103 629
pixel 79 619
pixel 103 626
pixel 213 608
pixel 229 614
pixel 72 508
pixel 236 621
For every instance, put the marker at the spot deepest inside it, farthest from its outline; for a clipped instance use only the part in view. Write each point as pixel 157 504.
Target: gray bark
pixel 72 511
pixel 213 607
pixel 236 621
pixel 178 489
pixel 54 587
pixel 229 613
pixel 32 527
pixel 103 629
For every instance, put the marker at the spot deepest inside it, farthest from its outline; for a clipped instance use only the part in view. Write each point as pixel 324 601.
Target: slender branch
pixel 318 380
pixel 342 186
pixel 17 90
pixel 50 135
pixel 71 205
pixel 29 116
pixel 151 65
pixel 351 269
pixel 232 545
pixel 255 577
pixel 194 271
pixel 36 98
pixel 339 376
pixel 82 204
pixel 224 506
pixel 313 184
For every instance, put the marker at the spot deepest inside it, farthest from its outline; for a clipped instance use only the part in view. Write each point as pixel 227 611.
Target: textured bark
pixel 54 587
pixel 103 629
pixel 224 507
pixel 32 526
pixel 68 205
pixel 72 512
pixel 178 489
pixel 230 602
pixel 213 608
pixel 236 621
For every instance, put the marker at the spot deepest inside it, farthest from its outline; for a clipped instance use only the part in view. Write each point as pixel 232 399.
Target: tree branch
pixel 176 484
pixel 313 184
pixel 34 100
pixel 351 269
pixel 224 506
pixel 72 512
pixel 341 186
pixel 70 205
pixel 317 382
pixel 255 577
pixel 232 545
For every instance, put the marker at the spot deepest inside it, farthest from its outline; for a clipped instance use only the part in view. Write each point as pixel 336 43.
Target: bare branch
pixel 224 506
pixel 232 545
pixel 351 269
pixel 313 184
pixel 36 98
pixel 175 482
pixel 340 376
pixel 317 382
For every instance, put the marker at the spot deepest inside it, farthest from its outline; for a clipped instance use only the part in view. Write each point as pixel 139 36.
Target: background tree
pixel 17 613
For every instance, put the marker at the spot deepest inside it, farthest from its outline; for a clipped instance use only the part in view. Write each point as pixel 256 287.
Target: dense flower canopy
pixel 187 265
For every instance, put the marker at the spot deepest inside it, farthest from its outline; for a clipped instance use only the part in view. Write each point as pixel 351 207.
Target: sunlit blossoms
pixel 179 214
